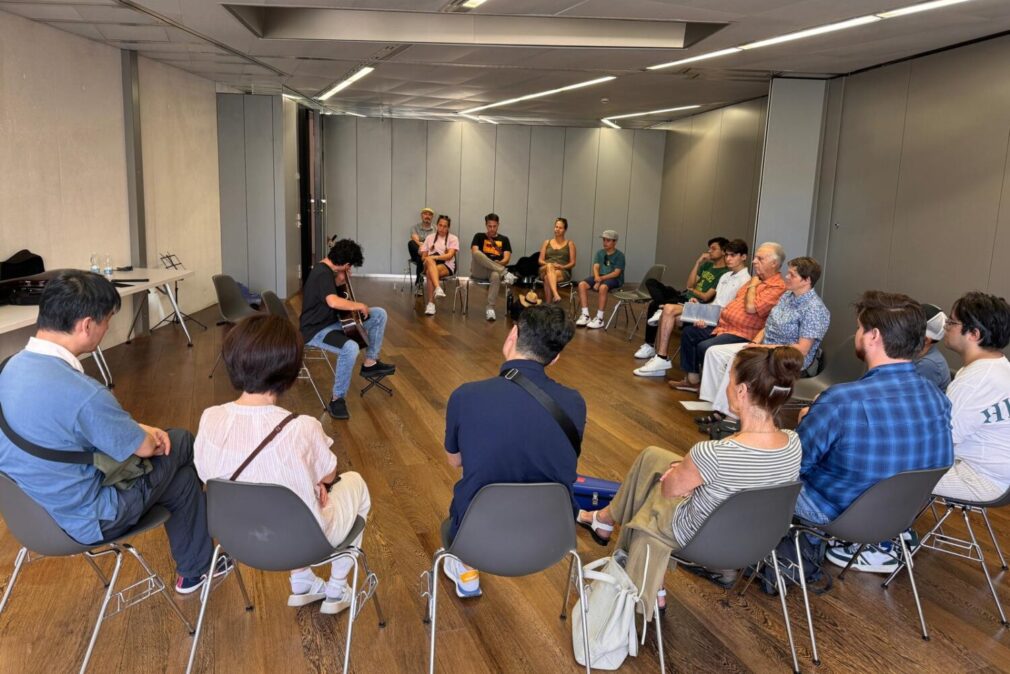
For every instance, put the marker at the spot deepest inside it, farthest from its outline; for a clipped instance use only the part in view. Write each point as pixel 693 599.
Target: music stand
pixel 168 261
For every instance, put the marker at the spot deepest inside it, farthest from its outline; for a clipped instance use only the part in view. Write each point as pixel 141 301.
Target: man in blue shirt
pixel 608 274
pixel 889 421
pixel 49 401
pixel 497 432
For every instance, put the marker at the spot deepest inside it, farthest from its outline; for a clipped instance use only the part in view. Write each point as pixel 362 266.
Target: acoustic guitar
pixel 351 321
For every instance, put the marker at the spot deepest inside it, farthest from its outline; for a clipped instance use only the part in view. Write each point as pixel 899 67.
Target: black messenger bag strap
pixel 566 423
pixel 266 441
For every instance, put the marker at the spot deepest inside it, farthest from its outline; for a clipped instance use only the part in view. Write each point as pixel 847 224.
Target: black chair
pixel 232 305
pixel 275 307
pixel 39 534
pixel 937 539
pixel 626 299
pixel 881 513
pixel 267 527
pixel 743 532
pixel 538 533
pixel 840 366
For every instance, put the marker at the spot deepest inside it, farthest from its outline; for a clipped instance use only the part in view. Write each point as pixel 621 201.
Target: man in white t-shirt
pixel 979 329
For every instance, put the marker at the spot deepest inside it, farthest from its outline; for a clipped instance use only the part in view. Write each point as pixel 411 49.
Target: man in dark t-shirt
pixel 522 442
pixel 491 253
pixel 324 295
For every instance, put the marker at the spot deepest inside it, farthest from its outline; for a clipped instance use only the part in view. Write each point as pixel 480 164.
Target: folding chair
pixel 626 299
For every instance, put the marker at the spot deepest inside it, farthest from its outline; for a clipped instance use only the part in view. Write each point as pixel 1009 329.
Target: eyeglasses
pixel 951 323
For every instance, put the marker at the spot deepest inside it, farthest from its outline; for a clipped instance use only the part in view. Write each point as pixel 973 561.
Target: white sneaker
pixel 595 324
pixel 430 309
pixel 645 351
pixel 489 314
pixel 467 580
pixel 316 592
pixel 656 367
pixel 654 319
pixel 509 278
pixel 439 292
pixel 873 559
pixel 582 321
pixel 338 597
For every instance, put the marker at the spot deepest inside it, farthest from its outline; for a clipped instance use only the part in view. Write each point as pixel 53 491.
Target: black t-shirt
pixel 494 248
pixel 316 313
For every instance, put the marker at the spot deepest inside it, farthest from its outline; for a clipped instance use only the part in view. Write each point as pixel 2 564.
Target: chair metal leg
pixel 433 607
pixel 241 586
pixel 582 608
pixel 806 597
pixel 105 603
pixel 204 600
pixel 911 577
pixel 985 570
pixel 613 314
pixel 923 543
pixel 659 640
pixel 757 570
pixel 992 535
pixel 216 363
pixel 18 563
pixel 568 589
pixel 308 375
pixel 353 612
pixel 781 586
pixel 101 576
pixel 638 322
pixel 162 591
pixel 852 560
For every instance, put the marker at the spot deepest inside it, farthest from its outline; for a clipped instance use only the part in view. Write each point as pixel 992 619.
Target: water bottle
pixel 108 267
pixel 94 264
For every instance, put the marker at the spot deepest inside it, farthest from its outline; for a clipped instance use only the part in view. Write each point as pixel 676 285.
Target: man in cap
pixel 418 233
pixel 931 365
pixel 608 274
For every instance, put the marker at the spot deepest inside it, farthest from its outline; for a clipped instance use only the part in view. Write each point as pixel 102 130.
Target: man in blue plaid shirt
pixel 889 421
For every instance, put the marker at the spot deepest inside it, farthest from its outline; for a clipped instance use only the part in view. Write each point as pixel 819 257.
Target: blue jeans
pixel 694 342
pixel 375 328
pixel 808 511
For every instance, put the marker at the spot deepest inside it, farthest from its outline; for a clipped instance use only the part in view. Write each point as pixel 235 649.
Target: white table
pixel 16 317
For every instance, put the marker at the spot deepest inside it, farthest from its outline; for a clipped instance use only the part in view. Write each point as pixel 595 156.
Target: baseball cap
pixel 609 234
pixel 427 210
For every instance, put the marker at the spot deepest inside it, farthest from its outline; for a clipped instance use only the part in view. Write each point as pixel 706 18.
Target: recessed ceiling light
pixel 921 7
pixel 702 57
pixel 473 4
pixel 810 32
pixel 353 114
pixel 539 94
pixel 347 82
pixel 609 120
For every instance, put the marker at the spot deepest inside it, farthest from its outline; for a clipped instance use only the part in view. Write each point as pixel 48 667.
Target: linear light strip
pixel 653 112
pixel 347 82
pixel 921 7
pixel 609 123
pixel 702 57
pixel 810 32
pixel 539 94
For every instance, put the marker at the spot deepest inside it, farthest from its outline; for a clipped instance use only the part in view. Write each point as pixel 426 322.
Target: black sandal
pixel 710 420
pixel 593 526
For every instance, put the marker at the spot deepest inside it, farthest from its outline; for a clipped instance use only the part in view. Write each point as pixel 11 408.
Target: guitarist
pixel 325 301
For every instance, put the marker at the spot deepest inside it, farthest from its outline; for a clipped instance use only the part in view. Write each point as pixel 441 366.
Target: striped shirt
pixel 734 319
pixel 726 467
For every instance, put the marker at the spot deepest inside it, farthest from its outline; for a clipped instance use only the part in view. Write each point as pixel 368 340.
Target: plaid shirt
pixel 734 319
pixel 856 434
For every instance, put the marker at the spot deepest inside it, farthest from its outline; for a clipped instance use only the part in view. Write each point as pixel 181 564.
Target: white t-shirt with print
pixel 980 417
pixel 729 285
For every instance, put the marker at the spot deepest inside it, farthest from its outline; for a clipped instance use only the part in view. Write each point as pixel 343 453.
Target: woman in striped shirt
pixel 665 499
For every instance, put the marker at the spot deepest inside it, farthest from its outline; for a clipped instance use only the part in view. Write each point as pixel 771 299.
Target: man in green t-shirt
pixel 608 274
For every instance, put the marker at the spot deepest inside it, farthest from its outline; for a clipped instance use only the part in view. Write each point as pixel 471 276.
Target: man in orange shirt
pixel 740 320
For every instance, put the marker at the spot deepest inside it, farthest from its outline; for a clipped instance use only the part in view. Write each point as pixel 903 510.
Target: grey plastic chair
pixel 232 305
pixel 267 527
pixel 538 532
pixel 39 534
pixel 275 307
pixel 627 299
pixel 840 366
pixel 744 531
pixel 937 539
pixel 881 513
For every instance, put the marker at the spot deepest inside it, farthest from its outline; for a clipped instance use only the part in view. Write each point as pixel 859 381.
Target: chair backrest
pixel 265 526
pixel 887 508
pixel 655 273
pixel 516 529
pixel 229 299
pixel 274 305
pixel 31 525
pixel 744 528
pixel 840 366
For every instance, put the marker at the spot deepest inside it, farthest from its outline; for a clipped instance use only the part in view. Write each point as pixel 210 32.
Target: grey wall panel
pixel 951 175
pixel 231 176
pixel 998 282
pixel 578 193
pixel 340 158
pixel 643 202
pixel 703 161
pixel 547 166
pixel 444 160
pixel 476 193
pixel 736 179
pixel 869 157
pixel 673 196
pixel 409 175
pixel 375 143
pixel 260 190
pixel 824 201
pixel 512 180
pixel 613 181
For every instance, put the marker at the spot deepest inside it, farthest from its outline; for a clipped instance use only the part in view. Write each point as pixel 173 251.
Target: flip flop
pixel 593 526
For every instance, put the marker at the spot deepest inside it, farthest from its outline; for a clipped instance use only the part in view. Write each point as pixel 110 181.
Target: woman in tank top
pixel 557 257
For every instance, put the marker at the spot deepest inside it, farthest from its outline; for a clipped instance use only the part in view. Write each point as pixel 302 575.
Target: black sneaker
pixel 378 368
pixel 184 585
pixel 338 409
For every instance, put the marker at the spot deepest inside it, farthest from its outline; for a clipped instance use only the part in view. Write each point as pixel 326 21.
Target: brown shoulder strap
pixel 266 441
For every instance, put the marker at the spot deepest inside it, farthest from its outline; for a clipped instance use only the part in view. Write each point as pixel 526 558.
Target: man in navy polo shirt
pixel 497 432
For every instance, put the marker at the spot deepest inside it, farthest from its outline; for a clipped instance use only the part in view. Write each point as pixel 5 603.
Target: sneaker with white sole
pixel 654 319
pixel 490 315
pixel 439 292
pixel 582 321
pixel 873 559
pixel 595 324
pixel 466 580
pixel 655 367
pixel 645 351
pixel 338 597
pixel 430 309
pixel 316 592
pixel 509 278
pixel 188 585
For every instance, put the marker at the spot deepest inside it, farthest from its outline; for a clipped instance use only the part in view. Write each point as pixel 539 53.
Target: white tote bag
pixel 610 615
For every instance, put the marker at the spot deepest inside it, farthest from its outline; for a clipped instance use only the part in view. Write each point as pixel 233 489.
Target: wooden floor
pixel 396 444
